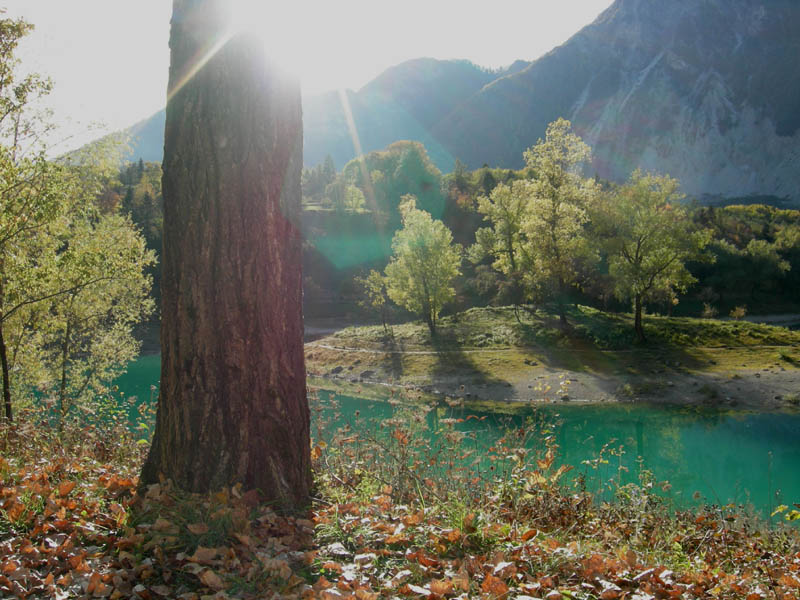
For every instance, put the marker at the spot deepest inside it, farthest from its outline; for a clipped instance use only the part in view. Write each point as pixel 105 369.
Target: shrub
pixel 738 313
pixel 709 312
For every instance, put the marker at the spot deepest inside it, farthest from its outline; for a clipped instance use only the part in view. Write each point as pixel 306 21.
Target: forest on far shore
pixel 349 221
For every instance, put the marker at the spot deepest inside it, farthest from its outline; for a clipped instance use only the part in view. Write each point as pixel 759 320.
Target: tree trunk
pixel 6 382
pixel 232 405
pixel 562 311
pixel 637 322
pixel 62 388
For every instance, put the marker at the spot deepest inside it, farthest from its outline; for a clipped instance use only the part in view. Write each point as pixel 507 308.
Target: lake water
pixel 739 457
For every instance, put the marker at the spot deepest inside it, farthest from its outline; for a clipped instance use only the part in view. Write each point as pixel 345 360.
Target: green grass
pixel 497 327
pixel 489 346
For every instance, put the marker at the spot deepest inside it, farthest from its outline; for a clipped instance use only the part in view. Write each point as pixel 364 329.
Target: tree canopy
pixel 648 237
pixel 424 263
pixel 71 274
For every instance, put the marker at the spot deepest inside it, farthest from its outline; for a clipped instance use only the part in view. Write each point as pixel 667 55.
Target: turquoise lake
pixel 725 457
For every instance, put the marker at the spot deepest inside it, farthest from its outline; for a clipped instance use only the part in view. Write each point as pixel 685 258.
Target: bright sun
pixel 281 27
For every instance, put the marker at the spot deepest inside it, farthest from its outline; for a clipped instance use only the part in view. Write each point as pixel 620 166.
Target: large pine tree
pixel 232 407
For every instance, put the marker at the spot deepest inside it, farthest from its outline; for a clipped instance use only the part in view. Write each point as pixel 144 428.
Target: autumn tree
pixel 424 263
pixel 648 237
pixel 555 242
pixel 232 406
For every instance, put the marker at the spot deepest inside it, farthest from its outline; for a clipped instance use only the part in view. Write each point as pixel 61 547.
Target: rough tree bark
pixel 232 405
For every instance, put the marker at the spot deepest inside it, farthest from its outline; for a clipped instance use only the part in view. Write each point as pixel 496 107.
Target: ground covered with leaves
pixel 395 515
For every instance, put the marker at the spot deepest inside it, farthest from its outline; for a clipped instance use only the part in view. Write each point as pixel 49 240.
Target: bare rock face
pixel 706 90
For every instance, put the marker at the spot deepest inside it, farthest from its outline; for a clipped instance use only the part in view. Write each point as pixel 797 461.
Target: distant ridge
pixel 706 90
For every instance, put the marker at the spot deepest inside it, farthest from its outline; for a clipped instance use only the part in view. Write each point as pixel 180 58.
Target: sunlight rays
pixel 198 63
pixel 351 127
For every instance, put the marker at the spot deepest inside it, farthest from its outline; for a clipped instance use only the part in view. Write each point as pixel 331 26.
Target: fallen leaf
pixel 212 580
pixel 65 487
pixel 441 587
pixel 494 586
pixel 203 555
pixel 197 528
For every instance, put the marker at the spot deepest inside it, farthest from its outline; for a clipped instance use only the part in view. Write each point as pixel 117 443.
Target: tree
pixel 419 276
pixel 374 296
pixel 84 338
pixel 555 242
pixel 505 208
pixel 649 237
pixel 56 256
pixel 232 405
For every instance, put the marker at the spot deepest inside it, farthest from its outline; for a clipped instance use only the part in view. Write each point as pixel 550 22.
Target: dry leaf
pixel 212 580
pixel 494 586
pixel 197 528
pixel 441 587
pixel 203 555
pixel 65 487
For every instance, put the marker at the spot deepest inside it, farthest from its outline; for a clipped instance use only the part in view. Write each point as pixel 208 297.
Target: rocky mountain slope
pixel 706 90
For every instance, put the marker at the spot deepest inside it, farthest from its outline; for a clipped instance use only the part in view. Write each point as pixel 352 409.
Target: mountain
pixel 403 102
pixel 705 90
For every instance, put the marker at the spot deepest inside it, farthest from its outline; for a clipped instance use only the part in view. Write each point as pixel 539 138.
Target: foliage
pixel 555 242
pixel 424 263
pixel 71 281
pixel 384 177
pixel 648 238
pixel 374 294
pixel 738 313
pixel 505 208
pixel 757 255
pixel 314 180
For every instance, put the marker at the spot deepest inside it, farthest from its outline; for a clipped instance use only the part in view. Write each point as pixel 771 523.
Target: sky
pixel 108 59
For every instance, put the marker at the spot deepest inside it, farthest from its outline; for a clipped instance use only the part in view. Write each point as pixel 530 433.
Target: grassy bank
pixel 493 355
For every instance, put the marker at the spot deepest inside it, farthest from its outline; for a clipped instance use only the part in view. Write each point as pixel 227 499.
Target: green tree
pixel 555 242
pixel 85 338
pixel 424 263
pixel 354 199
pixel 55 249
pixel 505 208
pixel 649 237
pixel 374 295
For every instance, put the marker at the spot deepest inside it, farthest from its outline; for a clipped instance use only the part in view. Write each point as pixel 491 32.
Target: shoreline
pixel 500 381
